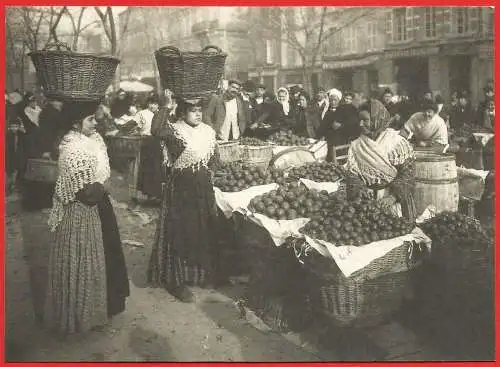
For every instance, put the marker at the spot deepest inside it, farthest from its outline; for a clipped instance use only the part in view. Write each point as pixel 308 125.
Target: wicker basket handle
pixel 206 48
pixel 170 48
pixel 58 45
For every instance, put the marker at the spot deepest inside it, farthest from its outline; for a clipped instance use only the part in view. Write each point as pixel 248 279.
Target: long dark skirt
pixel 118 288
pixel 151 172
pixel 185 245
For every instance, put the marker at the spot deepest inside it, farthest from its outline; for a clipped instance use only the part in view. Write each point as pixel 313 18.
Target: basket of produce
pixel 455 288
pixel 463 255
pixel 123 146
pixel 237 176
pixel 70 75
pixel 369 295
pixel 256 152
pixel 229 151
pixel 317 171
pixel 355 302
pixel 288 138
pixel 41 170
pixel 191 74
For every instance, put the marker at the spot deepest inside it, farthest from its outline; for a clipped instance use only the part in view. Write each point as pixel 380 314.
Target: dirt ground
pixel 156 327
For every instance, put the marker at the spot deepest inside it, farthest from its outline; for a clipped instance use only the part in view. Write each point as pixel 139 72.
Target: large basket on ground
pixel 365 299
pixel 123 146
pixel 259 156
pixel 66 74
pixel 191 74
pixel 41 170
pixel 229 151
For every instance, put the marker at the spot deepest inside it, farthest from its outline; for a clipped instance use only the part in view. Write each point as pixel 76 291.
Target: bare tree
pixel 76 18
pixel 114 35
pixel 304 29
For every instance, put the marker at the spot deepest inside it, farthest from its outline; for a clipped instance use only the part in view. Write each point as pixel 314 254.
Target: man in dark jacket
pixel 462 114
pixel 227 113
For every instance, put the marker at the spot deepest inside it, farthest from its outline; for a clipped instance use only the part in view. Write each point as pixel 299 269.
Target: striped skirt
pixel 76 290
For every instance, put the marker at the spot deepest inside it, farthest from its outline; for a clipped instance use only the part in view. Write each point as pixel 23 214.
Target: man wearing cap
pixel 227 113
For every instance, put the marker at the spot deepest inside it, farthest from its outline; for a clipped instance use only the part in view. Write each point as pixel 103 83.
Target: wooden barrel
pixel 292 157
pixel 436 181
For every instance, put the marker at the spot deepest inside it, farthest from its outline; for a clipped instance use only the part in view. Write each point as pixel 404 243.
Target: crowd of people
pixel 186 250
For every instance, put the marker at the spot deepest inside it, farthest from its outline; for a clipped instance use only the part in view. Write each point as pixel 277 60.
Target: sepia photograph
pixel 249 184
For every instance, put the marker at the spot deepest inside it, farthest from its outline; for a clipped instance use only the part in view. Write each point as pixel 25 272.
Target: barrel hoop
pixel 443 181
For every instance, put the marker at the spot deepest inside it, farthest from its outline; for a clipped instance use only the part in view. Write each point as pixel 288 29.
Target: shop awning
pixel 350 63
pixel 411 52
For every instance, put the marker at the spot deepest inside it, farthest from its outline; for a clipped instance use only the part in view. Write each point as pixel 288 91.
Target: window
pixel 372 35
pixel 399 22
pixel 430 22
pixel 269 52
pixel 350 39
pixel 462 20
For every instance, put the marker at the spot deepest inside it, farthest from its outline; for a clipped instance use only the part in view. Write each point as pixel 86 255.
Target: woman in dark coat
pixel 340 124
pixel 307 118
pixel 280 113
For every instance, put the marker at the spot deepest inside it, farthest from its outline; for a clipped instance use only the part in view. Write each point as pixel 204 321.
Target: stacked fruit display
pixel 252 142
pixel 235 177
pixel 290 202
pixel 318 171
pixel 355 223
pixel 455 229
pixel 288 138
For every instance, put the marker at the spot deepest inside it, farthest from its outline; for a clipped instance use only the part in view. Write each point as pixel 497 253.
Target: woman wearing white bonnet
pixel 333 126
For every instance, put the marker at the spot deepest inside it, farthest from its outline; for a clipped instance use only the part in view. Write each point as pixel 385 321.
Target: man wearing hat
pixel 227 113
pixel 258 104
pixel 462 114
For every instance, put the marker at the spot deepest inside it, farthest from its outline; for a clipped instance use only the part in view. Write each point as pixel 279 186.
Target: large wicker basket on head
pixel 191 74
pixel 70 75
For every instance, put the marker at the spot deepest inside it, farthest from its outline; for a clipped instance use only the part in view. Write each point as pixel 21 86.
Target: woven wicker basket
pixel 41 170
pixel 69 75
pixel 229 151
pixel 190 74
pixel 365 299
pixel 259 156
pixel 123 146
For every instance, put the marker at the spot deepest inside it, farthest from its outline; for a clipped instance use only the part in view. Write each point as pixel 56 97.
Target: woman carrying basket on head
pixel 88 280
pixel 383 160
pixel 184 251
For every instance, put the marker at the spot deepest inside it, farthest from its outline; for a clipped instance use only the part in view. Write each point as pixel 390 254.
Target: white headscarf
pixel 335 92
pixel 286 103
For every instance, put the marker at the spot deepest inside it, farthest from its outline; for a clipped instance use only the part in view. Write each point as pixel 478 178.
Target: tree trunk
pixel 306 78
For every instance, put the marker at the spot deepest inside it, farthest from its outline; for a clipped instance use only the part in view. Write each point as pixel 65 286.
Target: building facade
pixel 410 49
pixel 187 28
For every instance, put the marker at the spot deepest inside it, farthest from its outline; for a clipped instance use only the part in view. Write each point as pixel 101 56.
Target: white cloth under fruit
pixel 350 259
pixel 230 202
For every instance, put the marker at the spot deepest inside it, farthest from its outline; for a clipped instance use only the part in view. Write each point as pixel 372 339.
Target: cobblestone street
pixel 156 327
